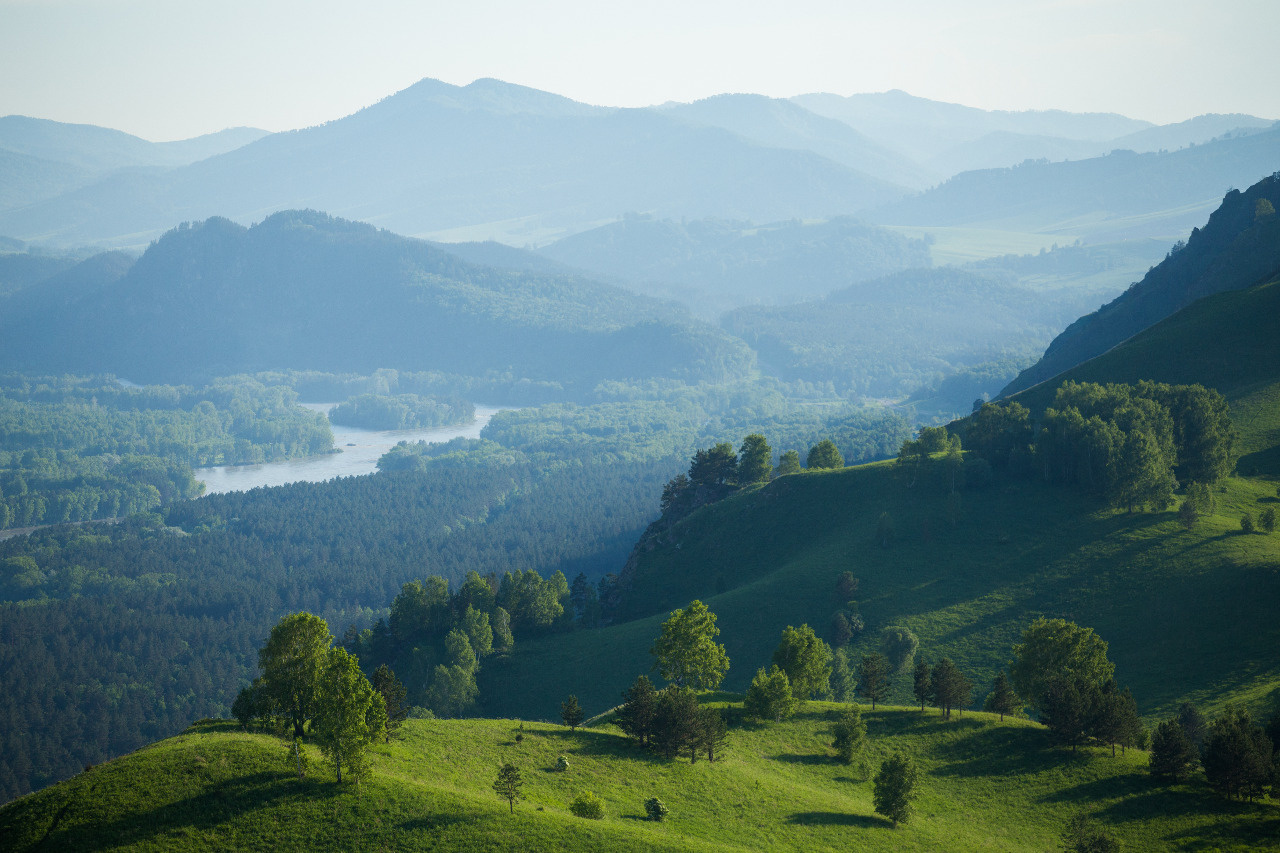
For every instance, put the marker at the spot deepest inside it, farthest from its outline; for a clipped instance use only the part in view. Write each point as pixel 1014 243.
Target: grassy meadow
pixel 985 786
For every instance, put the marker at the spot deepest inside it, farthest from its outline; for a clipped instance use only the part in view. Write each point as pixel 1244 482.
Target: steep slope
pixel 1188 614
pixel 1238 247
pixel 1121 193
pixel 433 157
pixel 985 785
pixel 63 289
pixel 304 290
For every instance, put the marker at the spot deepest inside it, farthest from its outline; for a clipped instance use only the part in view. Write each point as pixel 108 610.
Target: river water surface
pixel 360 451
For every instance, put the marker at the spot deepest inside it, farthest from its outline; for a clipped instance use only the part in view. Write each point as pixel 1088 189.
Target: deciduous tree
pixel 806 660
pixel 291 662
pixel 349 714
pixel 769 697
pixel 686 650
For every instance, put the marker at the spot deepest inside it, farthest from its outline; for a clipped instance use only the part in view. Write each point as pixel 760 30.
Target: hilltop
pixel 305 290
pixel 1239 246
pixel 987 786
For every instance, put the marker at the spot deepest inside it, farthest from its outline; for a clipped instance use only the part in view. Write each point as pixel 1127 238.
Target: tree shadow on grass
pixel 809 759
pixel 839 819
pixel 218 803
pixel 434 822
pixel 1003 751
pixel 1246 832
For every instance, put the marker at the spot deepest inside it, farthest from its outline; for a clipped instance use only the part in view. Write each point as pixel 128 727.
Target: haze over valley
pixel 745 467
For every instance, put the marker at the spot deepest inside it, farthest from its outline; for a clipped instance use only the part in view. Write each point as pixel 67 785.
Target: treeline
pixel 1128 444
pixel 82 448
pixel 401 411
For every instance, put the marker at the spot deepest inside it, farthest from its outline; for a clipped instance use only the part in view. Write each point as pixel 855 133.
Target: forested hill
pixel 719 263
pixel 304 290
pixel 1238 247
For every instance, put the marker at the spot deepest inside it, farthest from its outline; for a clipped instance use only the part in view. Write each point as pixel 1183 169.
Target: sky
pixel 172 69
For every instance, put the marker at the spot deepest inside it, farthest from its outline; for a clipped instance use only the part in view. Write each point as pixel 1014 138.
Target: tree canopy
pixel 686 650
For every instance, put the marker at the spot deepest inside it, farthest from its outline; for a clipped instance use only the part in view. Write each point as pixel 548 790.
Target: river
pixel 360 451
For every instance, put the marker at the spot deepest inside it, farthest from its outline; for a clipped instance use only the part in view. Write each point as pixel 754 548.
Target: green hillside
pixel 1239 331
pixel 1189 614
pixel 986 786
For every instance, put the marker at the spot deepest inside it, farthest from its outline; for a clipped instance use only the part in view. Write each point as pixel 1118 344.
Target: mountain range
pixel 492 160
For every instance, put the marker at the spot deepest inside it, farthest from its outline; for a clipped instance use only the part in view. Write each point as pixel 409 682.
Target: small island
pixel 402 411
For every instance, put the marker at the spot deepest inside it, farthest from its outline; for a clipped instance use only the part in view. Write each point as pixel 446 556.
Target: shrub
pixel 562 763
pixel 656 809
pixel 587 805
pixel 1246 523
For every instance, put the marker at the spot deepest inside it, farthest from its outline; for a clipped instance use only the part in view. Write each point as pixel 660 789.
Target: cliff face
pixel 1237 248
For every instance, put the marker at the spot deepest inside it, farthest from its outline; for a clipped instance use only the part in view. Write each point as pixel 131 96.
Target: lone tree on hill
pixel 895 788
pixel 850 734
pixel 873 678
pixel 824 454
pixel 349 714
pixel 1083 835
pixel 571 712
pixel 806 660
pixel 508 785
pixel 686 650
pixel 1002 699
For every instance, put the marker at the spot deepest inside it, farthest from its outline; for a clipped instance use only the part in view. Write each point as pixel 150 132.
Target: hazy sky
pixel 168 69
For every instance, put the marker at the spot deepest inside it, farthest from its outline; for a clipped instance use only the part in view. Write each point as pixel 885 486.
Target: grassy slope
pixel 987 786
pixel 1189 615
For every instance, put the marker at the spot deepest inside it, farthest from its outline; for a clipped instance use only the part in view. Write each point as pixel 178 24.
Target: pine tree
pixel 393 694
pixel 895 788
pixel 873 678
pixel 1172 754
pixel 754 460
pixel 950 688
pixel 711 733
pixel 571 712
pixel 1002 699
pixel 922 682
pixel 508 785
pixel 635 717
